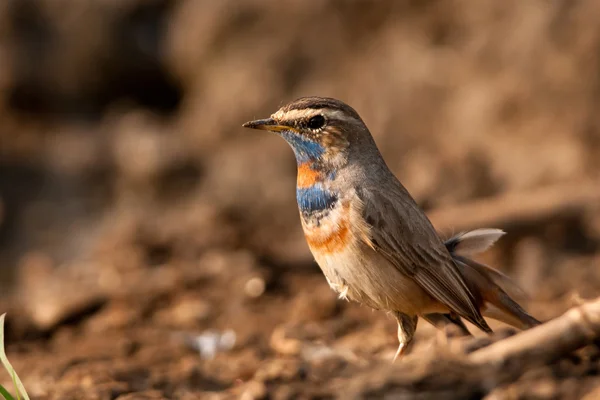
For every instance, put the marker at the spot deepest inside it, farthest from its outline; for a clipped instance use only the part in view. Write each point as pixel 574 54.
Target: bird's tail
pixel 492 286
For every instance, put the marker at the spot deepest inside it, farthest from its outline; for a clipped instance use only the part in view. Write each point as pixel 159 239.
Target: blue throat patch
pixel 304 149
pixel 314 198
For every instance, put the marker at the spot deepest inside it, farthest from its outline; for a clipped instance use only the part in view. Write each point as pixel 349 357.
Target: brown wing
pixel 406 238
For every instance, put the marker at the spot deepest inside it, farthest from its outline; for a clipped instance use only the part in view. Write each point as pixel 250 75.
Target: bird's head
pixel 320 130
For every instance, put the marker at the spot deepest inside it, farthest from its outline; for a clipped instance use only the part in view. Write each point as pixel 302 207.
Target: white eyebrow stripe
pixel 293 115
pixel 306 113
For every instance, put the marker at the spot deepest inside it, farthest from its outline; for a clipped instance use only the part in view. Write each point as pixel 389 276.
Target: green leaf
pixel 19 385
pixel 5 394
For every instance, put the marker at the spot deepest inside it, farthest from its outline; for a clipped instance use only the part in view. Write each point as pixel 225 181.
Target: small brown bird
pixel 370 238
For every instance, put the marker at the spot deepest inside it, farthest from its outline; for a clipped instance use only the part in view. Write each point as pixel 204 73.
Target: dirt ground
pixel 150 247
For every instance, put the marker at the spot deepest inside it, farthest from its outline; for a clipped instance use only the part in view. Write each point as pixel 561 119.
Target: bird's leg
pixel 406 330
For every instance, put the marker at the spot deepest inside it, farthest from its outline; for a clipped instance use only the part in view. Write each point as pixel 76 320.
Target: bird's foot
pixel 399 352
pixel 406 330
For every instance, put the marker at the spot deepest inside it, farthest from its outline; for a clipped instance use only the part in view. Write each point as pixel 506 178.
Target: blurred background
pixel 133 205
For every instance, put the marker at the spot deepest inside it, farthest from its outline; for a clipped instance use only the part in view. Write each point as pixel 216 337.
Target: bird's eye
pixel 316 122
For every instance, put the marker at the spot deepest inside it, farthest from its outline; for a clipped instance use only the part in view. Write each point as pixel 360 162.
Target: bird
pixel 370 238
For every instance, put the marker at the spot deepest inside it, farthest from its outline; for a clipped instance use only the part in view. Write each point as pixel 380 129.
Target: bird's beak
pixel 268 124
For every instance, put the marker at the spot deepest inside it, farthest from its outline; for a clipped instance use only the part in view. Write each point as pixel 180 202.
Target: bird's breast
pixel 311 192
pixel 340 242
pixel 315 201
pixel 307 176
pixel 328 231
pixel 331 218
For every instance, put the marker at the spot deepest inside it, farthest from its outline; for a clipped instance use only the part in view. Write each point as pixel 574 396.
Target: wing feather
pixel 401 232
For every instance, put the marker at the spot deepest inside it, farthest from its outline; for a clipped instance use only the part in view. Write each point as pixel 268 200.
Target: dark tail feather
pixel 497 304
pixel 441 320
pixel 490 285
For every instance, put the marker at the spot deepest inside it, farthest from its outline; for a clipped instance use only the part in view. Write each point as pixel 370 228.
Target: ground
pixel 150 248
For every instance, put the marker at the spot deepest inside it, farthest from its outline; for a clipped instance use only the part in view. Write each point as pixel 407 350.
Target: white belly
pixel 368 278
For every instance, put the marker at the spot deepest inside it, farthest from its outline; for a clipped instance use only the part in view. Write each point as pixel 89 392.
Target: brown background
pixel 134 207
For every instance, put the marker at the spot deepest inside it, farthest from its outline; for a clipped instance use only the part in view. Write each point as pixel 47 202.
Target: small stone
pixel 186 312
pixel 211 342
pixel 255 287
pixel 254 391
pixel 283 344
